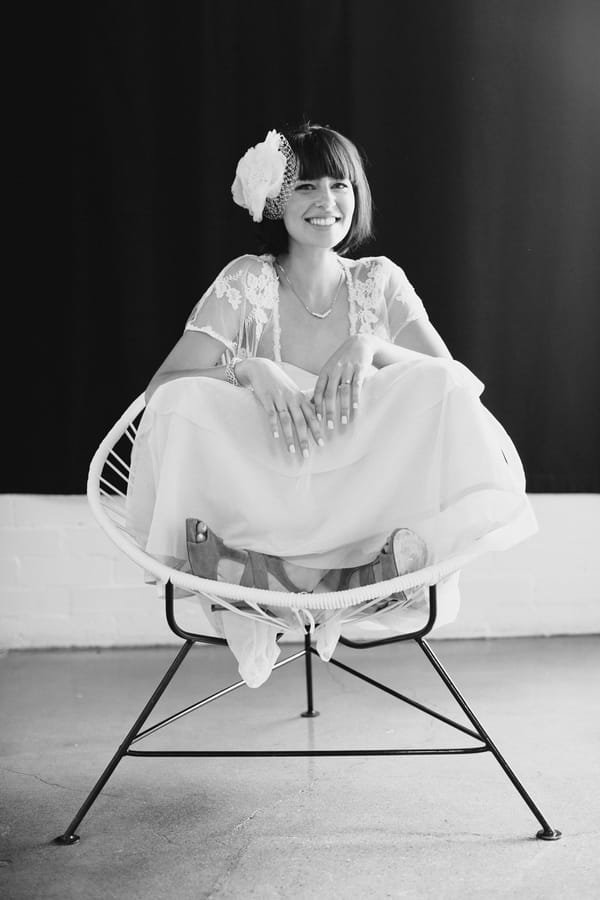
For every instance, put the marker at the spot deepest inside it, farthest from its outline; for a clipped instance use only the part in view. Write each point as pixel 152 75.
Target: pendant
pixel 316 315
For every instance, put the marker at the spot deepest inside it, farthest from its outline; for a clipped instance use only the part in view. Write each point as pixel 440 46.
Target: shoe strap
pixel 255 571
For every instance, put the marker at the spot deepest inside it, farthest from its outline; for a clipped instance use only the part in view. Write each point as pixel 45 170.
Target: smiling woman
pixel 311 420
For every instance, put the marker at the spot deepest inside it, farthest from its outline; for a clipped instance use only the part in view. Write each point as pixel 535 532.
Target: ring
pixel 346 382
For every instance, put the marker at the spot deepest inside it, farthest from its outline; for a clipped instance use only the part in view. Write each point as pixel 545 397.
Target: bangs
pixel 324 153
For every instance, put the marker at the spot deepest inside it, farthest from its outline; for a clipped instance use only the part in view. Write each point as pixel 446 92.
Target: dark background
pixel 479 119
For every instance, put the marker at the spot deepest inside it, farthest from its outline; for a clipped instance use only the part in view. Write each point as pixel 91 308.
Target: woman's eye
pixel 341 184
pixel 306 186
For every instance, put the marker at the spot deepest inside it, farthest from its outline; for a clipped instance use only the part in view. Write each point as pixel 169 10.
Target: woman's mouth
pixel 322 222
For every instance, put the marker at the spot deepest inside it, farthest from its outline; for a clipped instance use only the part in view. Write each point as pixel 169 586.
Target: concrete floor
pixel 414 827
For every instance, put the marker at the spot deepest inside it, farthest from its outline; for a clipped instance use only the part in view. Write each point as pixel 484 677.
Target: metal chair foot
pixel 552 834
pixel 66 840
pixel 310 714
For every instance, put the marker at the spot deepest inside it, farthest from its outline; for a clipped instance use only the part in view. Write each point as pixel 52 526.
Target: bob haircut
pixel 323 152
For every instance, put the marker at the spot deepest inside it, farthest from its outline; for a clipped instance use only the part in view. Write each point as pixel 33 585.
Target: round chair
pixel 107 492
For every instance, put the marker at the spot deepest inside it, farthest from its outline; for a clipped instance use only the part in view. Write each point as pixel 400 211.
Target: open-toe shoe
pixel 204 556
pixel 403 552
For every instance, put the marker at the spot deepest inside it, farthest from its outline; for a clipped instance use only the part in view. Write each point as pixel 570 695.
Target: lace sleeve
pixel 403 303
pixel 220 311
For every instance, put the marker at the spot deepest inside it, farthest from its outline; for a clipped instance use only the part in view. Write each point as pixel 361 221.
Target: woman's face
pixel 319 211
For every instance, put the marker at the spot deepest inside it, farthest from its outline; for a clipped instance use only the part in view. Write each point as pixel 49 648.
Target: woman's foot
pixel 210 558
pixel 404 551
pixel 409 553
pixel 207 555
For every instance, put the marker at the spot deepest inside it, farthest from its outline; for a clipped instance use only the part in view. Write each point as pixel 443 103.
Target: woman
pixel 311 417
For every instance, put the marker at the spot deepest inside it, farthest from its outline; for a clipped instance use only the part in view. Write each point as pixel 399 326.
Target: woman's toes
pixel 201 532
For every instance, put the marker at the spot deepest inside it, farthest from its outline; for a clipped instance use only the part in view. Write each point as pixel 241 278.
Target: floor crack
pixel 240 829
pixel 245 821
pixel 64 787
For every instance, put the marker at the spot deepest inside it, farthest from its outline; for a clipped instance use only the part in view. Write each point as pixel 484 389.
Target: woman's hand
pixel 342 376
pixel 290 412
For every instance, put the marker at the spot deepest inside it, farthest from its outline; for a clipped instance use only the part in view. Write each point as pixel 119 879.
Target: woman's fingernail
pixel 275 434
pixel 319 416
pixel 305 453
pixel 330 424
pixel 344 420
pixel 321 442
pixel 291 448
pixel 355 405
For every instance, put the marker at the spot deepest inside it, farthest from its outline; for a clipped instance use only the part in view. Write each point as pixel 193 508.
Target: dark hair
pixel 323 152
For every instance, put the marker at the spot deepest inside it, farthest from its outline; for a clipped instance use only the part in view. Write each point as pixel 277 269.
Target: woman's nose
pixel 325 197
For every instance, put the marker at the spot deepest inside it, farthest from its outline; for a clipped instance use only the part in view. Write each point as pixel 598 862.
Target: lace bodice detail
pixel 382 299
pixel 244 299
pixel 238 305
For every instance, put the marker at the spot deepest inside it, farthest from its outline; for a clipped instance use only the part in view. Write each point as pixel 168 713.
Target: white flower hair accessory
pixel 265 176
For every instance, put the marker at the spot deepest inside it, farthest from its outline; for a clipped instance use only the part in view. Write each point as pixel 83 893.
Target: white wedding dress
pixel 422 453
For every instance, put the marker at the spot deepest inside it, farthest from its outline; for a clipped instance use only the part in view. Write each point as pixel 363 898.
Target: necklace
pixel 317 315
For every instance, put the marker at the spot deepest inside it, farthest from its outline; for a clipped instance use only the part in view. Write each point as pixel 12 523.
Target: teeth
pixel 330 221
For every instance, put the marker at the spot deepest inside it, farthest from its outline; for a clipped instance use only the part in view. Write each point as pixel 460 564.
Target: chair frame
pixel 138 732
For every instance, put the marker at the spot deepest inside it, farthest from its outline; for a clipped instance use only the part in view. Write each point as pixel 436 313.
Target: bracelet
pixel 230 375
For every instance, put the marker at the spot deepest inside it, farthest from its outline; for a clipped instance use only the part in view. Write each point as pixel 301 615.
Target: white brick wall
pixel 64 584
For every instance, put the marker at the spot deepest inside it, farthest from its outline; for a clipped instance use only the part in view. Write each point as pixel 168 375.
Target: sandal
pixel 204 556
pixel 403 552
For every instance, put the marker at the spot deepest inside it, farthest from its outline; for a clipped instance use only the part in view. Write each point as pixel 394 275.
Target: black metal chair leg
pixel 546 833
pixel 310 712
pixel 69 837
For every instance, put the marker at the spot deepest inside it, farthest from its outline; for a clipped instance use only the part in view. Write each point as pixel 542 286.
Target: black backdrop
pixel 480 122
